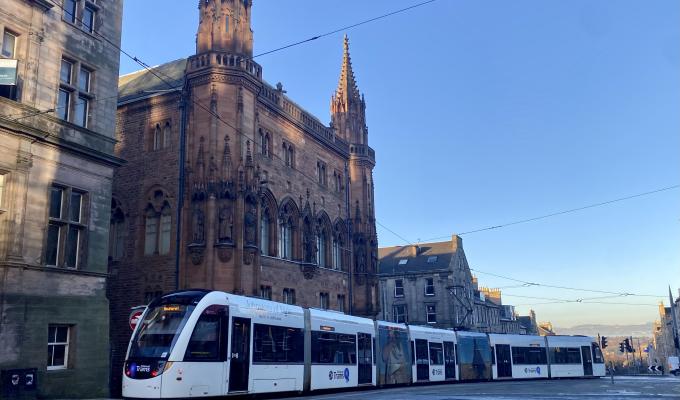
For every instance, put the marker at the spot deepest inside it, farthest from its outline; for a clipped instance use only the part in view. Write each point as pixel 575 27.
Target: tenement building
pixel 230 185
pixel 58 80
pixel 431 284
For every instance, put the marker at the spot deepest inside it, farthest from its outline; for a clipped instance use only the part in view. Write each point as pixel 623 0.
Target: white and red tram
pixel 198 343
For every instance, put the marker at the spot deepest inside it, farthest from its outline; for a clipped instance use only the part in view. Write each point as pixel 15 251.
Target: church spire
pixel 347 90
pixel 348 108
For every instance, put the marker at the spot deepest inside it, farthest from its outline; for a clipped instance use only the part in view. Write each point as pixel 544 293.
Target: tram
pixel 198 343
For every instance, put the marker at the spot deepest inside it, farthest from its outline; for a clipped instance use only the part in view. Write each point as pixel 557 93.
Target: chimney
pixel 456 242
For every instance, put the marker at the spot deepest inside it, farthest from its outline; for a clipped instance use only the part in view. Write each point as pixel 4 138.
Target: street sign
pixel 135 316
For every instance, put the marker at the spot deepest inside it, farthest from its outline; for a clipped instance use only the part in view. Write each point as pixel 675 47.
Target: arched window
pixel 321 241
pixel 264 232
pixel 116 232
pixel 157 226
pixel 157 137
pixel 337 253
pixel 265 145
pixel 286 238
pixel 291 157
pixel 150 232
pixel 166 231
pixel 167 133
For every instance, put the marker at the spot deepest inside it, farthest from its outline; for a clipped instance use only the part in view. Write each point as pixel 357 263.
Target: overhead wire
pixel 158 74
pixel 572 210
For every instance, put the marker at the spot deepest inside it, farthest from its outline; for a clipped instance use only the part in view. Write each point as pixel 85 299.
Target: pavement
pixel 633 387
pixel 624 387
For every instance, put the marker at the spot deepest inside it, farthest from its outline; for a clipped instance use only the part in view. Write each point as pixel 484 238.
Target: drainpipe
pixel 349 239
pixel 180 190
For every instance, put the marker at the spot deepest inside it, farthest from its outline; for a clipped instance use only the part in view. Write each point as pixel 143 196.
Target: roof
pixel 138 84
pixel 417 256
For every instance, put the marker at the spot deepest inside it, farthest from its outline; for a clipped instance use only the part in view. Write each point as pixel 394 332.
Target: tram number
pixel 437 372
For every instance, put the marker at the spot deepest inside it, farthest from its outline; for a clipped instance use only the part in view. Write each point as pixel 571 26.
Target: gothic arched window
pixel 321 253
pixel 150 232
pixel 166 231
pixel 117 232
pixel 156 144
pixel 264 232
pixel 157 226
pixel 167 133
pixel 286 238
pixel 339 246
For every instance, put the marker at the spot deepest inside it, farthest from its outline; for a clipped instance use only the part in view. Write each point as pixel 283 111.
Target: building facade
pixel 57 117
pixel 230 185
pixel 431 284
pixel 664 340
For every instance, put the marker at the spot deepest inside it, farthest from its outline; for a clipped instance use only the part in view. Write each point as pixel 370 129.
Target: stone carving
pixel 225 231
pixel 198 226
pixel 309 245
pixel 250 224
pixel 224 253
pixel 196 252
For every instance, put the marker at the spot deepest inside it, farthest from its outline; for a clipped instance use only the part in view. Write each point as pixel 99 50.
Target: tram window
pixel 597 354
pixel 204 344
pixel 436 354
pixel 565 355
pixel 159 330
pixel 277 344
pixel 529 355
pixel 333 348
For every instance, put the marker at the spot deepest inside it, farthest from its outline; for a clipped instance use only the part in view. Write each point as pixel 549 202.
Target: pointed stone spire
pixel 347 90
pixel 200 161
pixel 226 160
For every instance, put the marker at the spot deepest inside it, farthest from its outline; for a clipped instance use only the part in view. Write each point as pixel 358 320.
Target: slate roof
pixel 136 85
pixel 417 257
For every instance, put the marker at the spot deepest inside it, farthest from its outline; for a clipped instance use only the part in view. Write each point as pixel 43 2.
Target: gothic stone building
pixel 266 199
pixel 431 284
pixel 57 118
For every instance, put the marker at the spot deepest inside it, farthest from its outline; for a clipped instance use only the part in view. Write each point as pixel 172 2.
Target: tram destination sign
pixel 8 72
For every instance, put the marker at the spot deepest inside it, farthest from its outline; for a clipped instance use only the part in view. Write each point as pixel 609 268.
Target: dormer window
pixel 403 261
pixel 432 259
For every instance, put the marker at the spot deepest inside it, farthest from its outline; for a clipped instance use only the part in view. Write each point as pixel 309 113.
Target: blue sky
pixel 485 112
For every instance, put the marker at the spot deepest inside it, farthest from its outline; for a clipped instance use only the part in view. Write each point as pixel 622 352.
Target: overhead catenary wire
pixel 158 74
pixel 536 284
pixel 344 28
pixel 167 82
pixel 572 210
pixel 287 46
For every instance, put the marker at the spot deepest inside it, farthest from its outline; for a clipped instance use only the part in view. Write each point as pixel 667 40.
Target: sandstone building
pixel 58 80
pixel 230 185
pixel 431 284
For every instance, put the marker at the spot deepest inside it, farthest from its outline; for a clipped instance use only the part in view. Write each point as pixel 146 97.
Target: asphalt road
pixel 623 388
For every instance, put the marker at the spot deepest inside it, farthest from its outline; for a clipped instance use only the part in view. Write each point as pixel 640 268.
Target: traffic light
pixel 603 342
pixel 622 349
pixel 629 345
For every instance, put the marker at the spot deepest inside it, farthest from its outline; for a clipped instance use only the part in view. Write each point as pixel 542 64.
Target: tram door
pixel 365 358
pixel 587 361
pixel 422 360
pixel 503 363
pixel 240 355
pixel 449 360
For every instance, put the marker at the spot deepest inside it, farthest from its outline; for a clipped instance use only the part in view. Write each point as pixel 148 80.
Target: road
pixel 623 388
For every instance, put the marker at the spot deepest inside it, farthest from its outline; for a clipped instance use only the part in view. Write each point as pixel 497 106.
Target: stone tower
pixel 222 182
pixel 224 25
pixel 348 119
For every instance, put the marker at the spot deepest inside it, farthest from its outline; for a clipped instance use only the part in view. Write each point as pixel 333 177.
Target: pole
pixel 675 322
pixel 634 361
pixel 611 370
